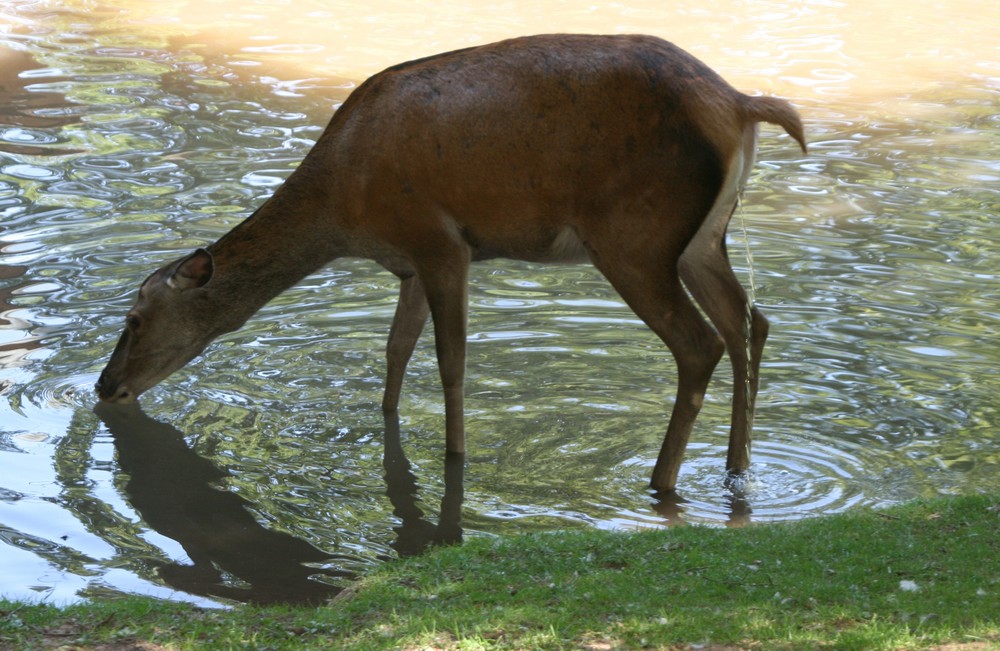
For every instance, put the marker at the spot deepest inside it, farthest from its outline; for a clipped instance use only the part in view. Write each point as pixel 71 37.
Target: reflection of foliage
pixel 78 473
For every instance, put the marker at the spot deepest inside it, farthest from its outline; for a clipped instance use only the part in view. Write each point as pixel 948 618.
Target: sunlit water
pixel 133 132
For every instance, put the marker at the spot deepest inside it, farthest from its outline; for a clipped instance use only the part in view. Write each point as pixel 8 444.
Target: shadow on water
pixel 26 112
pixel 233 556
pixel 11 352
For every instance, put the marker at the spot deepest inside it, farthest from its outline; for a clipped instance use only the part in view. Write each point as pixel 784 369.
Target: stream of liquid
pixel 132 132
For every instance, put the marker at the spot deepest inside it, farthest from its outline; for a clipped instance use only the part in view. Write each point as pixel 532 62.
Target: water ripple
pixel 786 481
pixel 72 392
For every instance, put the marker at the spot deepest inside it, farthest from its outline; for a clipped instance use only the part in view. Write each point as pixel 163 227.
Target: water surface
pixel 132 132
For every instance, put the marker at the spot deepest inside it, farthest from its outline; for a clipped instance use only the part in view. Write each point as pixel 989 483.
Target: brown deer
pixel 624 151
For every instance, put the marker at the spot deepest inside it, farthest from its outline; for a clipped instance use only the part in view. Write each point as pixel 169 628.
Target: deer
pixel 623 151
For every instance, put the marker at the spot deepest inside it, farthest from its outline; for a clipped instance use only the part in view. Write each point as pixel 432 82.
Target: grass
pixel 922 575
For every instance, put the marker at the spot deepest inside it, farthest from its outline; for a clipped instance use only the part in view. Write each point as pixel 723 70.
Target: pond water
pixel 132 132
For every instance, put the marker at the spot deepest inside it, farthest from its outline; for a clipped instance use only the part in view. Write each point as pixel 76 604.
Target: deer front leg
pixel 407 324
pixel 447 295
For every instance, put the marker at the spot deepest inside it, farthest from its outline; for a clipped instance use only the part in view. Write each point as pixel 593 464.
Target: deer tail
pixel 775 111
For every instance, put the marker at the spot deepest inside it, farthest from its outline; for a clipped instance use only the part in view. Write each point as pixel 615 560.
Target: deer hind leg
pixel 648 281
pixel 706 272
pixel 710 279
pixel 708 275
pixel 411 315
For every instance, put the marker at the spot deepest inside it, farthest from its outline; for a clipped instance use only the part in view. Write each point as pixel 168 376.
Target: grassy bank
pixel 923 575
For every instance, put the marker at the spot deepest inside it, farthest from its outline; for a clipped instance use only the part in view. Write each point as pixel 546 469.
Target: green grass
pixel 923 575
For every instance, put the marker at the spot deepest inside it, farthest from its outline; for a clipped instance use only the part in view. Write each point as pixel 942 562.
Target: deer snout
pixel 109 391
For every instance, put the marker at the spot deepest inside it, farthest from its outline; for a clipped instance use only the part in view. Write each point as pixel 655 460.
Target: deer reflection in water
pixel 671 508
pixel 415 533
pixel 176 493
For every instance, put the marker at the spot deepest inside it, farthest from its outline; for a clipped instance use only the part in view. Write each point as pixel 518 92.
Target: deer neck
pixel 276 247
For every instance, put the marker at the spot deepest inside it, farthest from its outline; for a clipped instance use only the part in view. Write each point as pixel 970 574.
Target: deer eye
pixel 132 322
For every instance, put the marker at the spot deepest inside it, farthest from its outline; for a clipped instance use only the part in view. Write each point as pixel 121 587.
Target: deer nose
pixel 111 392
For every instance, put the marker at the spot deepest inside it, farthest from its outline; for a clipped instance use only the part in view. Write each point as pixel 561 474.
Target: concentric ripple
pixel 70 392
pixel 786 482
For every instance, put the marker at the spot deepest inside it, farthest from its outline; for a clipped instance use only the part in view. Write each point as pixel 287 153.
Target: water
pixel 131 132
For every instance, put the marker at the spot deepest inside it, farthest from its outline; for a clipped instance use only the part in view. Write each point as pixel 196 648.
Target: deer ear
pixel 193 271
